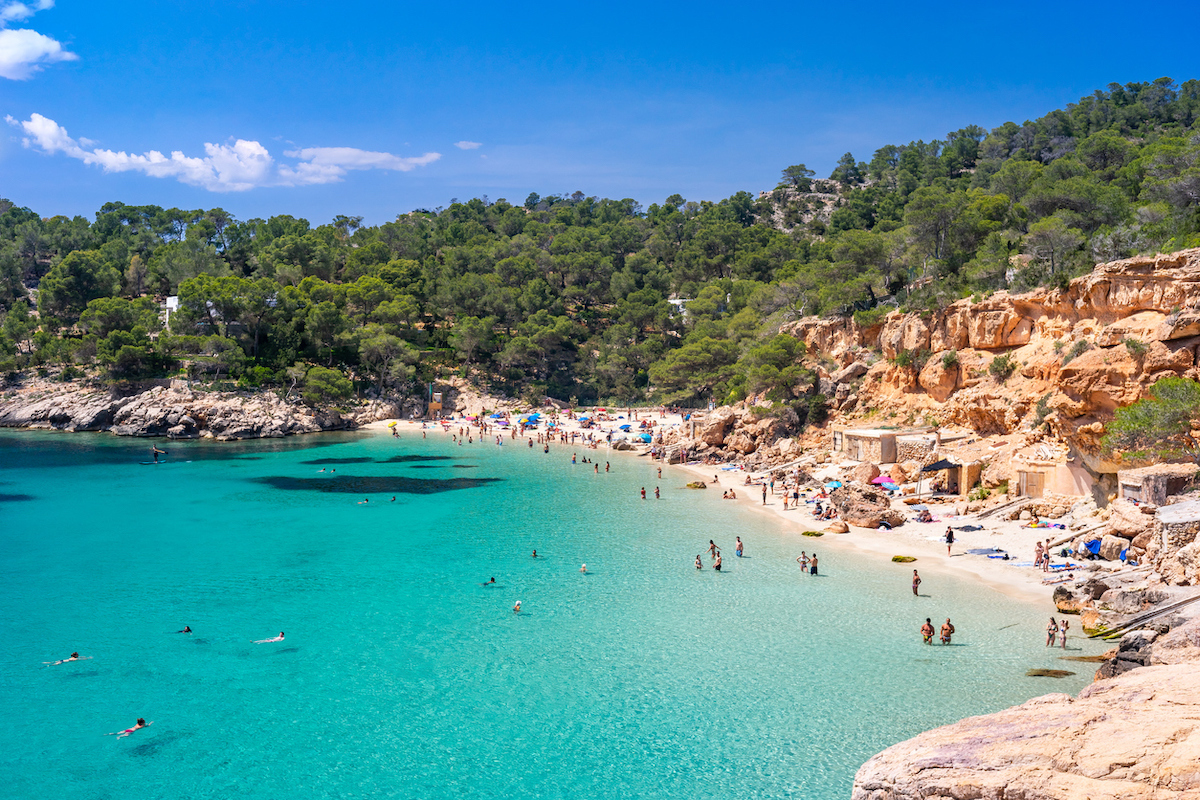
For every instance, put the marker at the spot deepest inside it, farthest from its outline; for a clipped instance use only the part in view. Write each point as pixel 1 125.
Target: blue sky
pixel 314 109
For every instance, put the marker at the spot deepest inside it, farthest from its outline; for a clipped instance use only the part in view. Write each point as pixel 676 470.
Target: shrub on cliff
pixel 1002 367
pixel 1160 425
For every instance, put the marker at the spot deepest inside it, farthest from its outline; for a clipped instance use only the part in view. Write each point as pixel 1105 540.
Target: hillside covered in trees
pixel 596 299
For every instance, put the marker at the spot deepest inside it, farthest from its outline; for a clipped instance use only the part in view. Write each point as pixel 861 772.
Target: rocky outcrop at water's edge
pixel 176 413
pixel 1132 737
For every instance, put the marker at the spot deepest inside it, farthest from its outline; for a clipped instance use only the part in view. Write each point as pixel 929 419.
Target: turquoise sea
pixel 401 676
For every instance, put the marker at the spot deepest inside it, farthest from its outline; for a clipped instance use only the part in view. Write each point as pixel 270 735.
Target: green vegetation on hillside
pixel 603 300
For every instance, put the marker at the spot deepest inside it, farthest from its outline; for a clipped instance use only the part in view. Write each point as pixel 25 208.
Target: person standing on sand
pixel 916 583
pixel 812 564
pixel 1051 632
pixel 1062 632
pixel 764 493
pixel 947 631
pixel 1037 554
pixel 927 631
pixel 949 539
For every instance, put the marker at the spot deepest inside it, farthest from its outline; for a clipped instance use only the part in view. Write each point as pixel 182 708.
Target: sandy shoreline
pixel 921 541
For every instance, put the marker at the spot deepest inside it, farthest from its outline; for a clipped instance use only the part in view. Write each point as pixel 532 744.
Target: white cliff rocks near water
pixel 1133 737
pixel 176 413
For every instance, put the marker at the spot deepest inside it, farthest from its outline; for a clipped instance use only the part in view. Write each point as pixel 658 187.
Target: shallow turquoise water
pixel 402 676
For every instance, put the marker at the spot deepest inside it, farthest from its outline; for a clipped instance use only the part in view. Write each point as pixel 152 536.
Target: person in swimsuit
pixel 699 564
pixel 1062 632
pixel 583 568
pixel 643 492
pixel 154 451
pixel 72 657
pixel 535 553
pixel 657 494
pixel 278 638
pixel 141 723
pixel 803 561
pixel 738 549
pixel 812 564
pixel 186 629
pixel 712 548
pixel 927 631
pixel 1051 632
pixel 949 539
pixel 517 607
pixel 488 583
pixel 717 563
pixel 947 631
pixel 916 583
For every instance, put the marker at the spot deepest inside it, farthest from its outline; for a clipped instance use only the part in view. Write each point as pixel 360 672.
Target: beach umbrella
pixel 891 487
pixel 497 416
pixel 882 479
pixel 833 485
pixel 624 427
pixel 645 437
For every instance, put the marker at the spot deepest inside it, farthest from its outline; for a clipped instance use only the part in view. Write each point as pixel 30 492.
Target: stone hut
pixel 1154 484
pixel 1180 524
pixel 877 445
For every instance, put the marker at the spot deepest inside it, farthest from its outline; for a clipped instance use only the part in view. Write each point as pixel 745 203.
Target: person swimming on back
pixel 141 723
pixel 72 657
pixel 278 638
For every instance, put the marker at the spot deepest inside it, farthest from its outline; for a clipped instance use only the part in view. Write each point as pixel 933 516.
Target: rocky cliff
pixel 1085 350
pixel 175 413
pixel 1134 737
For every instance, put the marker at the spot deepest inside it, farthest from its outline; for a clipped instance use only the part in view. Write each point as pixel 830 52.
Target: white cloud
pixel 15 12
pixel 23 51
pixel 465 145
pixel 225 167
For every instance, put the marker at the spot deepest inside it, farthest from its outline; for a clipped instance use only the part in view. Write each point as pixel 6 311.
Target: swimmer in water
pixel 517 607
pixel 657 494
pixel 947 631
pixel 927 631
pixel 699 565
pixel 583 568
pixel 72 657
pixel 717 563
pixel 278 638
pixel 488 583
pixel 738 549
pixel 393 498
pixel 186 629
pixel 535 553
pixel 141 723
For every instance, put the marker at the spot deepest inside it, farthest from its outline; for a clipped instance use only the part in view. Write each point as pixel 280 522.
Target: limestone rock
pixel 865 473
pixel 837 526
pixel 1055 747
pixel 1111 547
pixel 850 373
pixel 937 380
pixel 714 432
pixel 864 506
pixel 1181 645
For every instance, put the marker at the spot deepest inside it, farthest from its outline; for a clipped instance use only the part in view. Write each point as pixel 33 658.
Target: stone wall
pixel 1176 535
pixel 920 451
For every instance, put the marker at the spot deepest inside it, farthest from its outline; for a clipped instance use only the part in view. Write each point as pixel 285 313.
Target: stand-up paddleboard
pixel 163 461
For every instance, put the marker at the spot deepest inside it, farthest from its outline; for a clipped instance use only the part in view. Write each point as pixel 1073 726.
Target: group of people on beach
pixel 1057 629
pixel 946 632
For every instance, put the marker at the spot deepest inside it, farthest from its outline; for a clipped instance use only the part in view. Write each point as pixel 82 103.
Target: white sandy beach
pixel 922 541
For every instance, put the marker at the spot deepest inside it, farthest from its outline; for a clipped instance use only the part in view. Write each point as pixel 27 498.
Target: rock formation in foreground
pixel 1134 737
